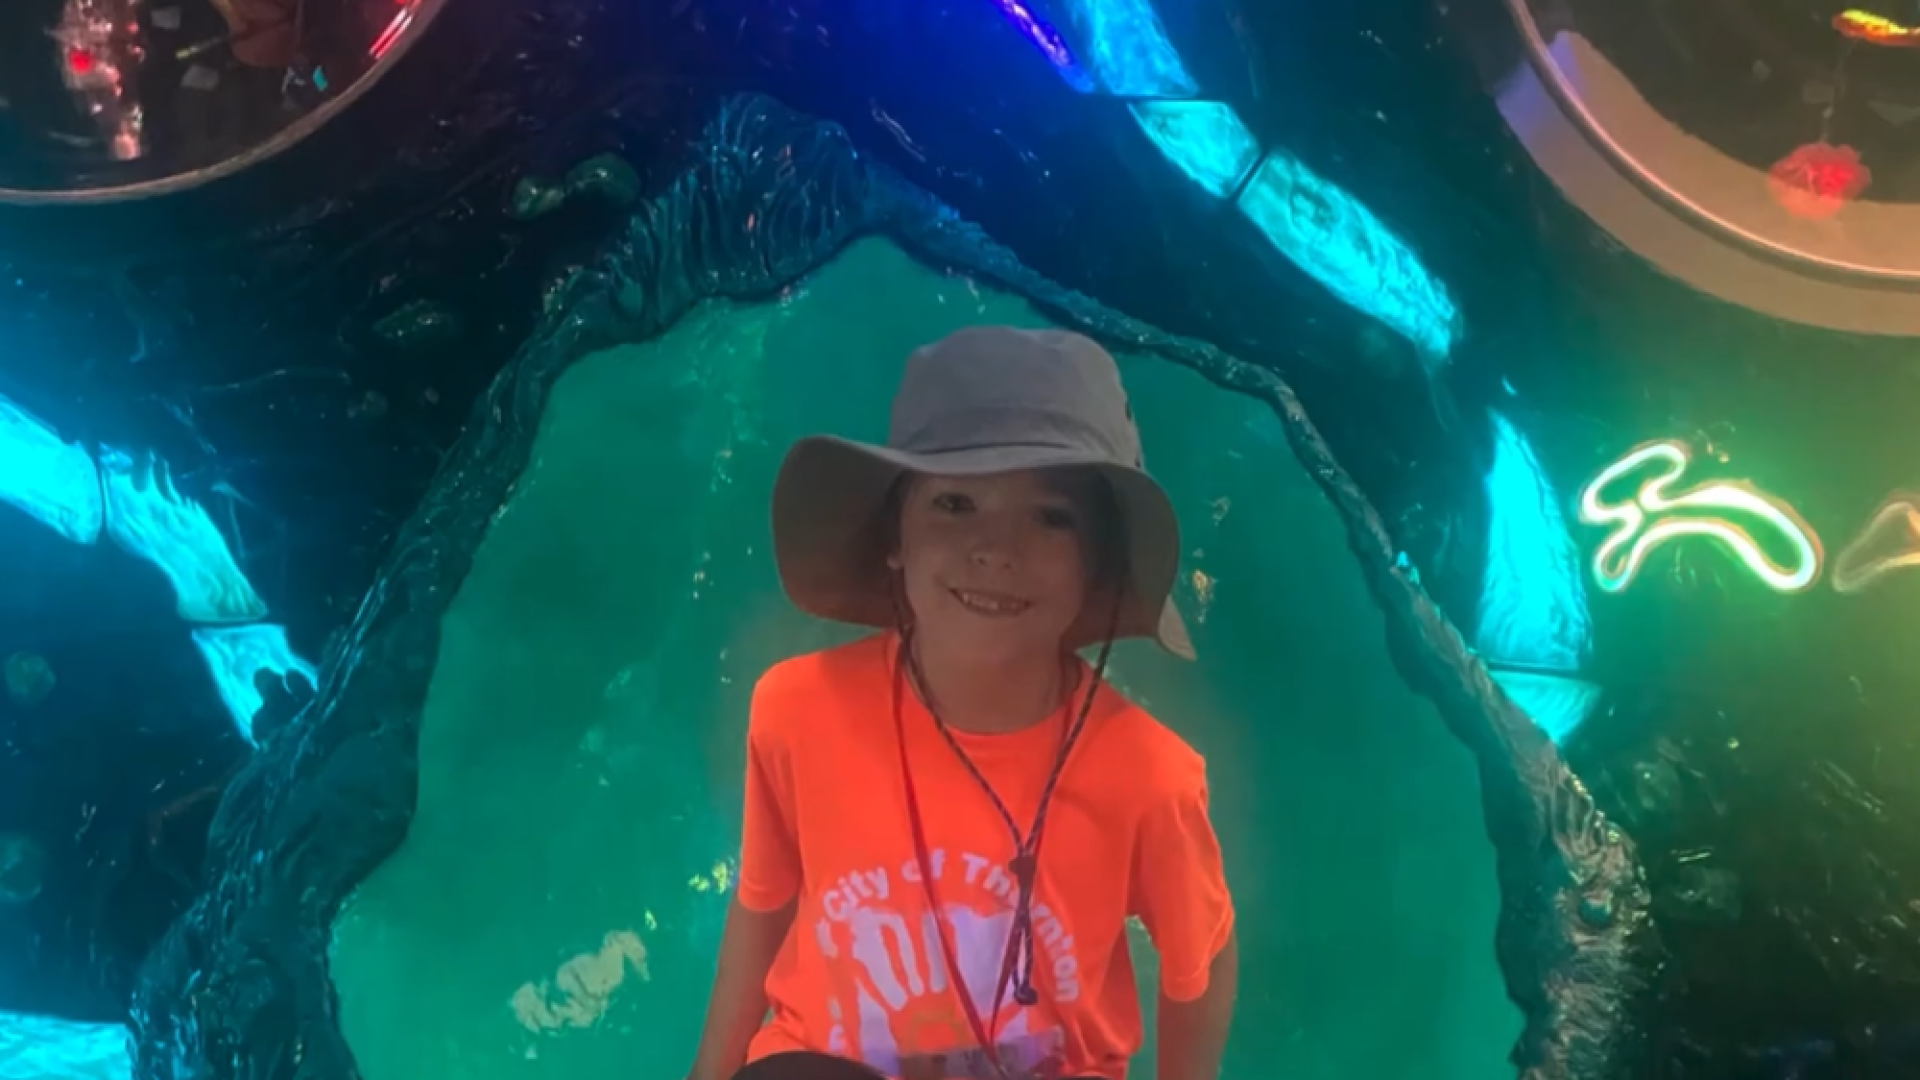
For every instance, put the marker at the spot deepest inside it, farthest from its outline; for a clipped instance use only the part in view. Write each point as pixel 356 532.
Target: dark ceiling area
pixel 305 340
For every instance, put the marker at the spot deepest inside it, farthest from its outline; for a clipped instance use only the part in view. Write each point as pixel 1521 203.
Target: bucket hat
pixel 982 400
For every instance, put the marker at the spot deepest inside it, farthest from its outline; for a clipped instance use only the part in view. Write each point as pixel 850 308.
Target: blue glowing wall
pixel 1534 632
pixel 47 478
pixel 1119 48
pixel 131 499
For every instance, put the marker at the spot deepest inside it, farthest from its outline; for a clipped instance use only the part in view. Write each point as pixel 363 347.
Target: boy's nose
pixel 993 549
pixel 991 556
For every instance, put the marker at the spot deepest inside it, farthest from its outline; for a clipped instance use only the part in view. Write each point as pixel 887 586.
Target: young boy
pixel 948 823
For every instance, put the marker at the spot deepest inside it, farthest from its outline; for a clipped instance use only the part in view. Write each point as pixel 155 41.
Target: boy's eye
pixel 1059 517
pixel 952 502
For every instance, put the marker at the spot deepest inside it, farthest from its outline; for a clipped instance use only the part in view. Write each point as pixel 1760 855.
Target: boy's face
pixel 996 567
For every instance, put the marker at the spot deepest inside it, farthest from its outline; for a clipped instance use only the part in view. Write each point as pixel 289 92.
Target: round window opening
pixel 1764 151
pixel 111 100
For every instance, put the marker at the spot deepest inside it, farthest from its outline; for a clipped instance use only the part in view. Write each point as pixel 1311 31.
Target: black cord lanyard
pixel 1016 964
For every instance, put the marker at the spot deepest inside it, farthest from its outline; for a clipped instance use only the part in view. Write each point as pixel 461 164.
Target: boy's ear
pixel 893 560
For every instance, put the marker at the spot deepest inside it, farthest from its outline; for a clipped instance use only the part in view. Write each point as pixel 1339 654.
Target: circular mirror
pixel 107 100
pixel 1766 151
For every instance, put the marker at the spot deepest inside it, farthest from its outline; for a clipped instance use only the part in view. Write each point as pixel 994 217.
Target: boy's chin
pixel 979 642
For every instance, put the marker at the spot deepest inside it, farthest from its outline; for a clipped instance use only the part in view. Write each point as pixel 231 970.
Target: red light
pixel 391 34
pixel 79 61
pixel 1818 179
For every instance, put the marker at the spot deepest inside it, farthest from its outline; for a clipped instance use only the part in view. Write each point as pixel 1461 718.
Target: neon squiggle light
pixel 1698 511
pixel 1873 554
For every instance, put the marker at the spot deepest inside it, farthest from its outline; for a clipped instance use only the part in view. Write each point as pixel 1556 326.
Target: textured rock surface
pixel 555 909
pixel 239 988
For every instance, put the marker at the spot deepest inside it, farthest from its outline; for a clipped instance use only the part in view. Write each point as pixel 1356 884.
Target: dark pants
pixel 808 1065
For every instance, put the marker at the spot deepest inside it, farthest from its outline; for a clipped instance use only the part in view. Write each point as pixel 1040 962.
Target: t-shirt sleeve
pixel 1180 887
pixel 769 844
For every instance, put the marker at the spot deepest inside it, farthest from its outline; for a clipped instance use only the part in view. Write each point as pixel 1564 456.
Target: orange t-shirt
pixel 863 975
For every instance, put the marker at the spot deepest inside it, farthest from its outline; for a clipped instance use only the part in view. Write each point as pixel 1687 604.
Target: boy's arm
pixel 1193 1034
pixel 765 896
pixel 1180 893
pixel 738 1005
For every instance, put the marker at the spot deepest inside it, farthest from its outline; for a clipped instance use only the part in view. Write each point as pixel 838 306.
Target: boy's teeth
pixel 988 604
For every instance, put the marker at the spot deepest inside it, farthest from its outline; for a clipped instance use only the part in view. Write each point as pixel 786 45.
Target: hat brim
pixel 828 540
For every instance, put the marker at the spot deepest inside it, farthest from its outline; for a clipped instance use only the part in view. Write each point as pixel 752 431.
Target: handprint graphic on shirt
pixel 904 1019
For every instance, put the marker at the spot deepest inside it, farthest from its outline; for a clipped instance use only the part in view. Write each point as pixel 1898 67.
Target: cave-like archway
pixel 500 839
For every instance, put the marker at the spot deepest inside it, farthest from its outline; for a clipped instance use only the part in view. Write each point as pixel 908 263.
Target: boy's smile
pixel 996 567
pixel 989 604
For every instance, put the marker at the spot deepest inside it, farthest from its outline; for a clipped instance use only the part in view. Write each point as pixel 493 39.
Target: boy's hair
pixel 1106 540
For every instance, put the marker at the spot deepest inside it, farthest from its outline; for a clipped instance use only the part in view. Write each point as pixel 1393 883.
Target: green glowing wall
pixel 555 909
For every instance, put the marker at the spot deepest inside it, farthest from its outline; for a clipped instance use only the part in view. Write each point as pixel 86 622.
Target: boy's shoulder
pixel 863 660
pixel 1137 744
pixel 834 676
